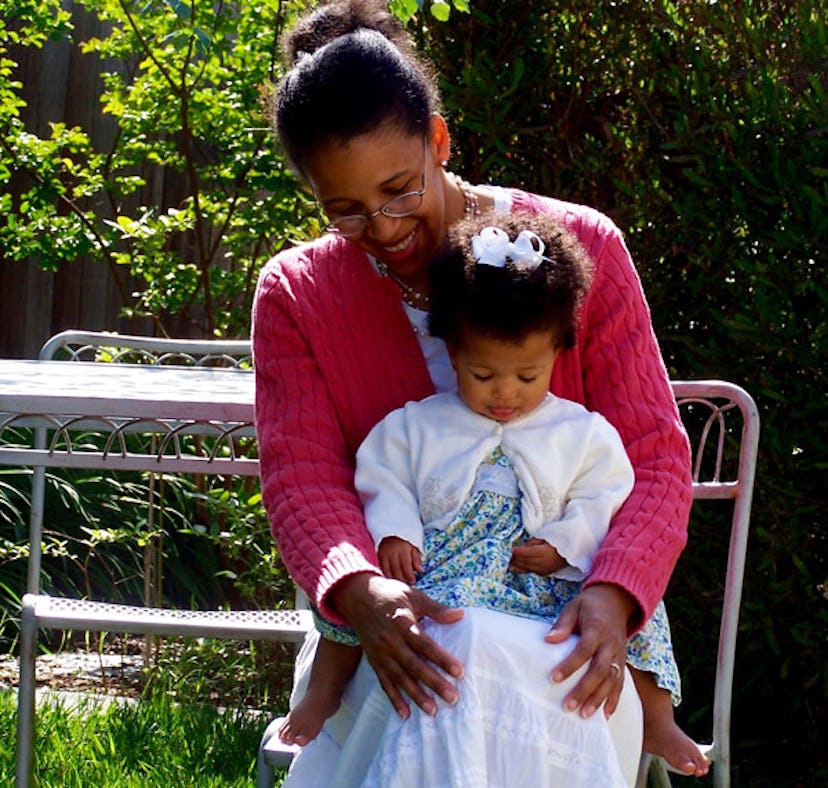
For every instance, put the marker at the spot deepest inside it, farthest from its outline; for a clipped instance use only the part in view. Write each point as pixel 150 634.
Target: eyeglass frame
pixel 383 209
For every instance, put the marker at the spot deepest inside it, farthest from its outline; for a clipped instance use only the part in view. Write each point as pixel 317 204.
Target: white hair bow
pixel 493 247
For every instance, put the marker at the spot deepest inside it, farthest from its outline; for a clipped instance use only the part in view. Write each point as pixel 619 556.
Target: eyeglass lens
pixel 397 208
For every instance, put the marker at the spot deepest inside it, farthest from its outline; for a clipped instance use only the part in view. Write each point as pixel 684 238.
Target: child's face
pixel 500 379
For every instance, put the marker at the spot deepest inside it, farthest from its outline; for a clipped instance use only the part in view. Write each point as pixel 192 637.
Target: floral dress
pixel 467 565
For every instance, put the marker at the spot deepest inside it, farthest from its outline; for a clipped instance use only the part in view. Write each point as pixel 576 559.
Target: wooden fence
pixel 60 84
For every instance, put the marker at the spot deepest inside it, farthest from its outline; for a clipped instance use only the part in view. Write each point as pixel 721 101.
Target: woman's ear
pixel 439 137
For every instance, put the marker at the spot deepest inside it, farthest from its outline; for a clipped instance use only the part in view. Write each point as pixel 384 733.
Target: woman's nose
pixel 383 228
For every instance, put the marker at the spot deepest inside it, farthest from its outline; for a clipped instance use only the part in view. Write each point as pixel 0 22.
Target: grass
pixel 168 730
pixel 151 742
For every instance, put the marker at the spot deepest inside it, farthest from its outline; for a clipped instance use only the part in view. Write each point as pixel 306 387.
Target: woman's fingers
pixel 599 614
pixel 426 648
pixel 611 703
pixel 412 669
pixel 599 680
pixel 407 662
pixel 403 661
pixel 609 682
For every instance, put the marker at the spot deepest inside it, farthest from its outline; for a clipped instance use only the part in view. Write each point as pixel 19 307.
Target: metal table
pixel 63 399
pixel 171 419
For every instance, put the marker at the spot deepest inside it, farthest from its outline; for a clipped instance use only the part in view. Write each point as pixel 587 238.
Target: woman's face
pixel 362 175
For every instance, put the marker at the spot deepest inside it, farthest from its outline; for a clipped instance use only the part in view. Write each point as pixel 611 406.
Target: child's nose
pixel 504 390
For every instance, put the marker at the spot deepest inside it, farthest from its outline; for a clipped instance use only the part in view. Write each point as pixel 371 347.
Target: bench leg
pixel 264 773
pixel 26 694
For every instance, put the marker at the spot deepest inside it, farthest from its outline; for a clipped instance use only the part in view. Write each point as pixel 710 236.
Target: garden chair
pixel 40 611
pixel 723 424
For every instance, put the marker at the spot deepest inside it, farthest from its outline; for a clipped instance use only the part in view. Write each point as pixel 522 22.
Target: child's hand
pixel 536 556
pixel 399 559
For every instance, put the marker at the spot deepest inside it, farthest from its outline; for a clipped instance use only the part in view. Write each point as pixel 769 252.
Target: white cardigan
pixel 418 465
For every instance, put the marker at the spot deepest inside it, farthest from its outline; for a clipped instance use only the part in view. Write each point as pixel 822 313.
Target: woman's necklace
pixel 411 295
pixel 471 200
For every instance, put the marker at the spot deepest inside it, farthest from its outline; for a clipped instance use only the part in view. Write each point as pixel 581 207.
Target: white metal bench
pixel 723 424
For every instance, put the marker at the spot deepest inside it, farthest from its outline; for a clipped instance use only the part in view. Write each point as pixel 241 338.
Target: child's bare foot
pixel 305 720
pixel 662 736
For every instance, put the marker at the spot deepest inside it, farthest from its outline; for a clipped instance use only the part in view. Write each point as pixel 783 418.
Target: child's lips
pixel 503 414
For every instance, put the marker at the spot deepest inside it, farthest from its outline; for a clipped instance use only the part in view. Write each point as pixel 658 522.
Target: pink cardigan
pixel 334 353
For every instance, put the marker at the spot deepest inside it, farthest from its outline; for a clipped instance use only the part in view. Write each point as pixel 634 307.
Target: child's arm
pixel 399 559
pixel 385 481
pixel 536 556
pixel 600 482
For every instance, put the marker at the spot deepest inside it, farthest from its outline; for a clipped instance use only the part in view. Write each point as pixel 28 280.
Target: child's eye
pixel 481 378
pixel 527 378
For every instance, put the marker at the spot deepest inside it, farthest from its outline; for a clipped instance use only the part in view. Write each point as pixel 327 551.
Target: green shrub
pixel 187 198
pixel 702 129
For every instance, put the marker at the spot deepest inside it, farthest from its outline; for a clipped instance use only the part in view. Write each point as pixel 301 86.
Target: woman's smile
pixel 358 177
pixel 402 245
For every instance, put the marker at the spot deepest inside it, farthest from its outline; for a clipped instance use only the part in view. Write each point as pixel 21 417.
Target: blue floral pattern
pixel 467 565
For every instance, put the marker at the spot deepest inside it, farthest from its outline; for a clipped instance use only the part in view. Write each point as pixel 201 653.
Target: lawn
pixel 146 742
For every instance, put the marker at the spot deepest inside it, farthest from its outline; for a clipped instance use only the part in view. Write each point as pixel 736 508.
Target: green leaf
pixel 440 10
pixel 181 9
pixel 404 10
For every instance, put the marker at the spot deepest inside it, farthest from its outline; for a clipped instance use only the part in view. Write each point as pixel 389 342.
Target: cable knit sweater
pixel 334 353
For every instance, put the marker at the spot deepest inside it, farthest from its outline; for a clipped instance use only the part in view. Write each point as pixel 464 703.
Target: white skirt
pixel 508 728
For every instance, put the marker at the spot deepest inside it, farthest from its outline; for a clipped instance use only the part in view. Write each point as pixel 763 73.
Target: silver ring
pixel 617 668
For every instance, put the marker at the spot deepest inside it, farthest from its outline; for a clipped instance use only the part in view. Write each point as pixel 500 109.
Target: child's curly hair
pixel 511 302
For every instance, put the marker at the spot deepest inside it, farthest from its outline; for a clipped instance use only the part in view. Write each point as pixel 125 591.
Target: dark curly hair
pixel 352 68
pixel 511 302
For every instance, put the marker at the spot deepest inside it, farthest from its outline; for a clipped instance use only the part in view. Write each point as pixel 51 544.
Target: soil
pixel 108 673
pixel 118 671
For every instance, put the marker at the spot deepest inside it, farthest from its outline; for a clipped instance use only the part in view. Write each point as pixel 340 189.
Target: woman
pixel 339 341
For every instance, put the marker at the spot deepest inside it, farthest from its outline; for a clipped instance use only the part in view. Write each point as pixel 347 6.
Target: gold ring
pixel 617 668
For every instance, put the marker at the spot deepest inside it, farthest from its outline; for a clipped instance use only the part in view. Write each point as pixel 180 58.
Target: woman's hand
pixel 399 559
pixel 385 614
pixel 536 556
pixel 599 614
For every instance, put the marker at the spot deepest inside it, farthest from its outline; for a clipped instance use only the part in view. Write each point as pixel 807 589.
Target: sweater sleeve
pixel 306 468
pixel 625 380
pixel 601 485
pixel 385 483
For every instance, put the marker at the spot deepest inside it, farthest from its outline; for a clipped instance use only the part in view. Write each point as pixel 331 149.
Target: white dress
pixel 508 729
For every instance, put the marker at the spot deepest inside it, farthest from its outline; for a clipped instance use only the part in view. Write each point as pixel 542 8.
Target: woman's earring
pixel 444 163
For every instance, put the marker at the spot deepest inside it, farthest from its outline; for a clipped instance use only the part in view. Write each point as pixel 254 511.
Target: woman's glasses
pixel 396 208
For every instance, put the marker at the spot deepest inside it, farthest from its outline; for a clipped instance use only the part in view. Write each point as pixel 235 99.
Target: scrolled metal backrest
pixel 94 346
pixel 112 348
pixel 722 422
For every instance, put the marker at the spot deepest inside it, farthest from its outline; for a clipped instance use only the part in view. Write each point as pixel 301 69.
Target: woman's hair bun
pixel 338 18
